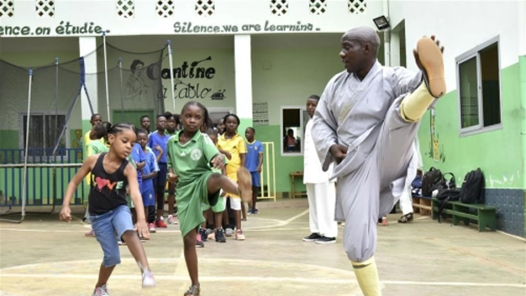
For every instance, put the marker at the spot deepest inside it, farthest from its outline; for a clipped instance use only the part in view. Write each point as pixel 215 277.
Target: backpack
pixel 445 195
pixel 450 183
pixel 432 180
pixel 472 190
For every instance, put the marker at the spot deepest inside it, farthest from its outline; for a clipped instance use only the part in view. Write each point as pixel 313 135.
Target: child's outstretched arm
pixel 135 194
pixel 65 213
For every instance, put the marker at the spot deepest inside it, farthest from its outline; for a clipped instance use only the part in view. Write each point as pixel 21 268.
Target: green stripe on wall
pixel 497 153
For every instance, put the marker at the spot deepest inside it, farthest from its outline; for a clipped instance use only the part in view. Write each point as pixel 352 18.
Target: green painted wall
pixel 284 164
pixel 9 139
pixel 498 153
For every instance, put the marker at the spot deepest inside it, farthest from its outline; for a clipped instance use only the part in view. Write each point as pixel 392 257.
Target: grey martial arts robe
pixel 364 116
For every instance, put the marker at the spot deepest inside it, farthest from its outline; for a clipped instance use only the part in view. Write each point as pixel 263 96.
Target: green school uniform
pixel 128 197
pixel 96 147
pixel 220 206
pixel 190 161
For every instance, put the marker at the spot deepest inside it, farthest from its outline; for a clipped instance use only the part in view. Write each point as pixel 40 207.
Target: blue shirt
pixel 156 139
pixel 138 156
pixel 253 151
pixel 150 165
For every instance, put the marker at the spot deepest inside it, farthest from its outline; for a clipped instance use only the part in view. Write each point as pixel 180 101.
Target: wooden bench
pixel 486 216
pixel 422 204
pixel 293 192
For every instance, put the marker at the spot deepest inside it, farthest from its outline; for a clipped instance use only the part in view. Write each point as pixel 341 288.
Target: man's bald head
pixel 364 35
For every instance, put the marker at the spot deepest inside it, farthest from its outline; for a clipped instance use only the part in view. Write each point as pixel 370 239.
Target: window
pixel 479 88
pixel 44 131
pixel 293 122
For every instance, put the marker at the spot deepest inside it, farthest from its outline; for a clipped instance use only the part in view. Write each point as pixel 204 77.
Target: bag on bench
pixel 432 179
pixel 472 190
pixel 445 195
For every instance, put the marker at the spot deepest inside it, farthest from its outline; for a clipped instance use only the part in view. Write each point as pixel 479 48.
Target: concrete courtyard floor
pixel 43 256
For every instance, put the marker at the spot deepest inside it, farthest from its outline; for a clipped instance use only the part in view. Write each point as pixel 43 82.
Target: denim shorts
pixel 110 227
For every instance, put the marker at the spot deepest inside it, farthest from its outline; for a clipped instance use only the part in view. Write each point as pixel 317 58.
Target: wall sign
pixel 185 77
pixel 189 27
pixel 64 28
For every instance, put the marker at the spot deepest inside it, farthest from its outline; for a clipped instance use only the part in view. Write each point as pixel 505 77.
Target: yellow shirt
pixel 87 139
pixel 235 146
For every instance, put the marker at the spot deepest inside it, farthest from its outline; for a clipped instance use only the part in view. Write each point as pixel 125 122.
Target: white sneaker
pixel 172 220
pixel 101 291
pixel 229 232
pixel 147 279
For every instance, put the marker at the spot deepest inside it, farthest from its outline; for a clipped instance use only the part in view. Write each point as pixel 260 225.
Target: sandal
pixel 192 291
pixel 406 218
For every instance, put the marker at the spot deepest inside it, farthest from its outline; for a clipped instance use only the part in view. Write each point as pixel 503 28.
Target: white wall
pixel 146 21
pixel 461 26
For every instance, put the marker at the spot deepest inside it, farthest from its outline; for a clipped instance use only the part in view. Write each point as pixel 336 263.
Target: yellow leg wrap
pixel 415 104
pixel 367 276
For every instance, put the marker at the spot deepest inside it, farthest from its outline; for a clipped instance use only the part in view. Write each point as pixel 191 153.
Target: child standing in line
pixel 111 173
pixel 254 164
pixel 191 155
pixel 171 130
pixel 145 123
pixel 98 131
pixel 234 144
pixel 136 159
pixel 148 173
pixel 157 141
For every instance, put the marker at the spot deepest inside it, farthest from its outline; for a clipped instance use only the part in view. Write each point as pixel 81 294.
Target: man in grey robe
pixel 366 122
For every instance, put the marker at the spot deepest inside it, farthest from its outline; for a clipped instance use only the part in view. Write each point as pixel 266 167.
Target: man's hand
pixel 417 57
pixel 339 152
pixel 65 214
pixel 259 169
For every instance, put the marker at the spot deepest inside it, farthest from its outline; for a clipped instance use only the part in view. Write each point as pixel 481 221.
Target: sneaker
pixel 312 237
pixel 325 240
pixel 202 234
pixel 90 233
pixel 255 211
pixel 101 291
pixel 240 235
pixel 229 232
pixel 220 236
pixel 198 242
pixel 160 223
pixel 148 280
pixel 151 228
pixel 171 220
pixel 121 242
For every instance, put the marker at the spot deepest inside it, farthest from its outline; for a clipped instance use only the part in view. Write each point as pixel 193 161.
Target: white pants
pixel 406 201
pixel 322 200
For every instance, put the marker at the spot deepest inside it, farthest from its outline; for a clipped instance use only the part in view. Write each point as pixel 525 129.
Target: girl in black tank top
pixel 111 175
pixel 108 191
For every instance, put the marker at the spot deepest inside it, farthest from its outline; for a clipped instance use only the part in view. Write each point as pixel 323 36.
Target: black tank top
pixel 108 191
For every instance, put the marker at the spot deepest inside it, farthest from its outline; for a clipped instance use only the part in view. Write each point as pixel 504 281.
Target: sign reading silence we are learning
pixel 67 28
